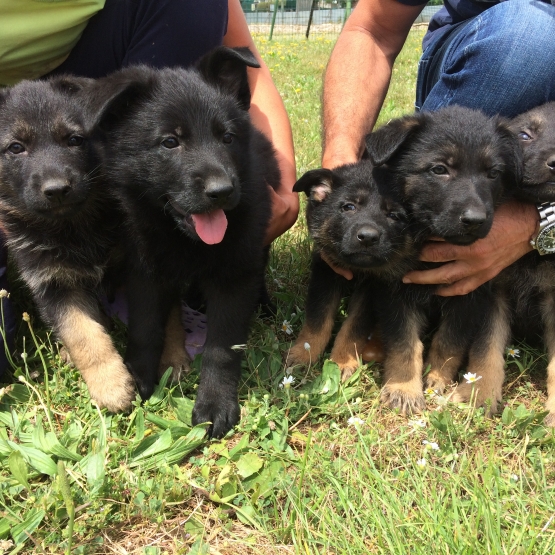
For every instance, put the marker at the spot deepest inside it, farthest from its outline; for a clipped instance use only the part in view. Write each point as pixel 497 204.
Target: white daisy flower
pixel 471 378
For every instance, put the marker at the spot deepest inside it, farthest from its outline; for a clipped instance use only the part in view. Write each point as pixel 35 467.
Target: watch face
pixel 546 240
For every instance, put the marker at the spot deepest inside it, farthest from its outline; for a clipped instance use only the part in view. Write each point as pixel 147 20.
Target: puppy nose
pixel 218 190
pixel 56 190
pixel 473 217
pixel 368 235
pixel 551 163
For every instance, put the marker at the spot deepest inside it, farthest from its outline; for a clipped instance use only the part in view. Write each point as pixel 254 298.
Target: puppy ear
pixel 113 97
pixel 227 69
pixel 512 153
pixel 70 84
pixel 388 139
pixel 316 184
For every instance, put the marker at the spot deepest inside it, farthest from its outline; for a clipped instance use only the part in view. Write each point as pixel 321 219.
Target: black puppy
pixel 192 174
pixel 358 229
pixel 524 293
pixel 61 223
pixel 449 169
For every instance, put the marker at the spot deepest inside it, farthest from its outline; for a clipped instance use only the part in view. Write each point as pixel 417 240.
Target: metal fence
pixel 303 18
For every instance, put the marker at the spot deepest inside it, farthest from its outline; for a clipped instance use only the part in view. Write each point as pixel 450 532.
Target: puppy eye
pixel 348 207
pixel 439 170
pixel 524 136
pixel 75 140
pixel 170 142
pixel 16 148
pixel 227 138
pixel 393 216
pixel 493 173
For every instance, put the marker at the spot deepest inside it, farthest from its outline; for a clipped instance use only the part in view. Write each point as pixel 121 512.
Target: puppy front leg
pixel 354 332
pixel 229 311
pixel 548 315
pixel 461 317
pixel 76 318
pixel 174 353
pixel 486 359
pixel 149 308
pixel 324 295
pixel 403 327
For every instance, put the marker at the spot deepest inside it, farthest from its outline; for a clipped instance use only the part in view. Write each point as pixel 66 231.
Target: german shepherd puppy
pixel 523 293
pixel 449 170
pixel 192 175
pixel 61 223
pixel 356 228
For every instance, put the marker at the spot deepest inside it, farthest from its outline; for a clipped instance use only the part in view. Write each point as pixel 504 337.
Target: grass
pixel 298 475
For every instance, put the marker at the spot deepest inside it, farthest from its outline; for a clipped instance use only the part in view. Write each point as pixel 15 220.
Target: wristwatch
pixel 544 241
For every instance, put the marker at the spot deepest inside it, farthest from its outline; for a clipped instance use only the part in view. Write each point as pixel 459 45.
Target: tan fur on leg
pixel 317 339
pixel 174 353
pixel 403 373
pixel 548 314
pixel 93 353
pixel 444 360
pixel 488 362
pixel 349 341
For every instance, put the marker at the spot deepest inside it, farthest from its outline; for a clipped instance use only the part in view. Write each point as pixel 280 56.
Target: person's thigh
pixel 502 62
pixel 160 33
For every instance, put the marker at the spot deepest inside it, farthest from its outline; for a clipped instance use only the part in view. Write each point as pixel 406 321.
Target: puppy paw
pixel 112 387
pixel 223 414
pixel 480 395
pixel 180 363
pixel 437 381
pixel 65 357
pixel 298 355
pixel 404 399
pixel 347 371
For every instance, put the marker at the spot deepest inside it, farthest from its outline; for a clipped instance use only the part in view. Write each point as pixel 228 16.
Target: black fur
pixel 180 143
pixel 450 169
pixel 61 222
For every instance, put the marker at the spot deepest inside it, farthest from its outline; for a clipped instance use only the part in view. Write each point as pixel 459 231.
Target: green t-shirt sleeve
pixel 36 36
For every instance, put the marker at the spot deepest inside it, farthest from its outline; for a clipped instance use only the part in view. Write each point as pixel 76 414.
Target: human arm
pixel 358 75
pixel 466 268
pixel 269 116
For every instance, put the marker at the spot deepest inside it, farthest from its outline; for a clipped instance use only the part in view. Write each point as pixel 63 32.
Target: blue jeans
pixel 501 61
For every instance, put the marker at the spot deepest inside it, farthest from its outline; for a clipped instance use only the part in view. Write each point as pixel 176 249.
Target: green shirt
pixel 36 36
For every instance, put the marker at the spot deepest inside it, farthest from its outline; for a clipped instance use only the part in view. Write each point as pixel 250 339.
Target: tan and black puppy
pixel 356 228
pixel 449 169
pixel 62 224
pixel 524 293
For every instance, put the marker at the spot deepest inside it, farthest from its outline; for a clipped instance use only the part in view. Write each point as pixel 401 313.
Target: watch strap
pixel 546 211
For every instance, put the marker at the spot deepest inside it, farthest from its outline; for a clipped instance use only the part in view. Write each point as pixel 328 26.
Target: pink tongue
pixel 210 227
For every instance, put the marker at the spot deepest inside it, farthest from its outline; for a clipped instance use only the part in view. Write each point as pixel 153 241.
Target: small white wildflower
pixel 3 293
pixel 430 392
pixel 441 400
pixel 421 463
pixel 24 356
pixel 355 421
pixel 431 445
pixel 286 327
pixel 34 375
pixel 471 378
pixel 325 390
pixel 513 352
pixel 287 381
pixel 22 379
pixel 293 314
pixel 306 346
pixel 417 423
pixel 289 370
pixel 514 477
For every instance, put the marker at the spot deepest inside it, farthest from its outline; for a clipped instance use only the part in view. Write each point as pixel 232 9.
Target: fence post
pixel 347 11
pixel 273 19
pixel 314 2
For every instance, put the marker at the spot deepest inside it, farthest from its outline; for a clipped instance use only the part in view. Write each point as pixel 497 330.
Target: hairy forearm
pixel 358 75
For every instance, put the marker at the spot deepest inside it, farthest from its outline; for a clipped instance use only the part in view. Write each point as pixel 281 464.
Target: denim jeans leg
pixel 502 62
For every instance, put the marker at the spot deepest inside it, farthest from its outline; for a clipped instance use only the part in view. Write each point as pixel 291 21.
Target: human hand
pixel 468 267
pixel 285 209
pixel 347 274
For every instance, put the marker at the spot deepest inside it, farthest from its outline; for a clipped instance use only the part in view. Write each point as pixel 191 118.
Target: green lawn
pixel 297 476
